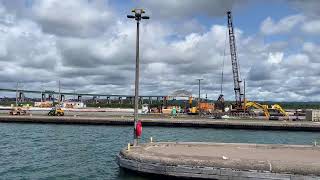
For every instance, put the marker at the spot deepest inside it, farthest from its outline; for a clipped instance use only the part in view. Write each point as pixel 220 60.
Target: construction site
pixel 180 103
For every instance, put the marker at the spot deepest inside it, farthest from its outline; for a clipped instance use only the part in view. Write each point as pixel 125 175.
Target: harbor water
pixel 50 151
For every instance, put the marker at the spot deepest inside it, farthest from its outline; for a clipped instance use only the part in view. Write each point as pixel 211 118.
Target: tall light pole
pixel 199 96
pixel 74 94
pixel 59 101
pixel 41 89
pixel 17 94
pixel 137 16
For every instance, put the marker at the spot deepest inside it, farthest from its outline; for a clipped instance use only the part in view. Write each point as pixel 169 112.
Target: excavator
pixel 266 109
pixel 241 104
pixel 192 110
pixel 219 104
pixel 280 109
pixel 256 105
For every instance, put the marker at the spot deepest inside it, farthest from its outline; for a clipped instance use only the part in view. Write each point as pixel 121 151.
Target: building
pixel 43 104
pixel 313 115
pixel 75 105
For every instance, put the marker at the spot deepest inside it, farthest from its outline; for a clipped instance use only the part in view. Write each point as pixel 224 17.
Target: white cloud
pixel 312 50
pixel 187 8
pixel 311 27
pixel 284 25
pixel 94 51
pixel 296 62
pixel 72 17
pixel 309 7
pixel 275 58
pixel 188 27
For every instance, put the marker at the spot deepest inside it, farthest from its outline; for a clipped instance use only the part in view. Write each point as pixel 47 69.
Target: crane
pixel 234 62
pixel 241 103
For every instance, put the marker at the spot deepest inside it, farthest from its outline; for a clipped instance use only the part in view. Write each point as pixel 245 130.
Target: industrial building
pixel 313 115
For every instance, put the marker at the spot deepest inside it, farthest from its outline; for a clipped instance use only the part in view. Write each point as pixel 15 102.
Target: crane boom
pixel 234 62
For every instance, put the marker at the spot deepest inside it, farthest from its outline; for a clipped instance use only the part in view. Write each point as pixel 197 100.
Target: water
pixel 45 151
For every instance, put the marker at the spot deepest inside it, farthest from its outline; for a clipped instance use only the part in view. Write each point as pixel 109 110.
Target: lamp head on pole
pixel 138 15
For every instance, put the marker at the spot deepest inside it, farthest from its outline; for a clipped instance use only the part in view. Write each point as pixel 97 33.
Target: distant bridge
pixel 22 92
pixel 74 93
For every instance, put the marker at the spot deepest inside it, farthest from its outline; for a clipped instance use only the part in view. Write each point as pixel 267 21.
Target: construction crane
pixel 235 66
pixel 241 103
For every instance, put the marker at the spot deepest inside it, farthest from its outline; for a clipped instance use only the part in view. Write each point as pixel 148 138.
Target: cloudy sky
pixel 89 45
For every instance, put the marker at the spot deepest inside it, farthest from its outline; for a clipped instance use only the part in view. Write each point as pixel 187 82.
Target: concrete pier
pixel 223 161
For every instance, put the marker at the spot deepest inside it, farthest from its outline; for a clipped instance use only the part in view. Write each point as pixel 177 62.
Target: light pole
pixel 199 96
pixel 59 101
pixel 17 94
pixel 137 16
pixel 74 94
pixel 41 89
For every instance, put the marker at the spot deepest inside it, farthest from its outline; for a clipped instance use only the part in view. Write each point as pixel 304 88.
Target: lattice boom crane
pixel 234 62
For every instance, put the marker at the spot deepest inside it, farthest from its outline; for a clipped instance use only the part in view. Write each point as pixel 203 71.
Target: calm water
pixel 42 151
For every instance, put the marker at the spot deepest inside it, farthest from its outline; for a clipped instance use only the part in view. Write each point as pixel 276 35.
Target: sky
pixel 89 45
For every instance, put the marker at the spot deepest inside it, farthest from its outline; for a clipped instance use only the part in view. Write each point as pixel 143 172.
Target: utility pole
pixel 59 93
pixel 199 96
pixel 137 16
pixel 244 94
pixel 17 94
pixel 41 94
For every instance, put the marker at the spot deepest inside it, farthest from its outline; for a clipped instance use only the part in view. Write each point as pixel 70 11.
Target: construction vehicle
pixel 280 109
pixel 238 106
pixel 241 105
pixel 192 110
pixel 256 105
pixel 267 110
pixel 56 111
pixel 18 111
pixel 206 108
pixel 203 107
pixel 219 104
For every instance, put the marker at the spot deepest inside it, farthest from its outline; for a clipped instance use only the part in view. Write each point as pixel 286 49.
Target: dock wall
pixel 150 159
pixel 200 123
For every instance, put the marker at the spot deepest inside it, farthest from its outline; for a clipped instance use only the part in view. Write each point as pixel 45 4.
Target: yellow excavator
pixel 265 108
pixel 192 110
pixel 280 109
pixel 256 105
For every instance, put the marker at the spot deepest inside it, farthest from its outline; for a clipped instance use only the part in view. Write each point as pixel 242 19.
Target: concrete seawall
pixel 223 161
pixel 168 122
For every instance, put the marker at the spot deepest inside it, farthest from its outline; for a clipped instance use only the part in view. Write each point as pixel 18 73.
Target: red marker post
pixel 139 129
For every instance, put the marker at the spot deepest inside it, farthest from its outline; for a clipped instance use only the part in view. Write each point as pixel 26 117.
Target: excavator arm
pixel 280 109
pixel 264 108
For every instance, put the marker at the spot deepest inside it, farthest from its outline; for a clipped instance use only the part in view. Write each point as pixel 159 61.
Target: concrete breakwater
pixel 168 122
pixel 223 161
